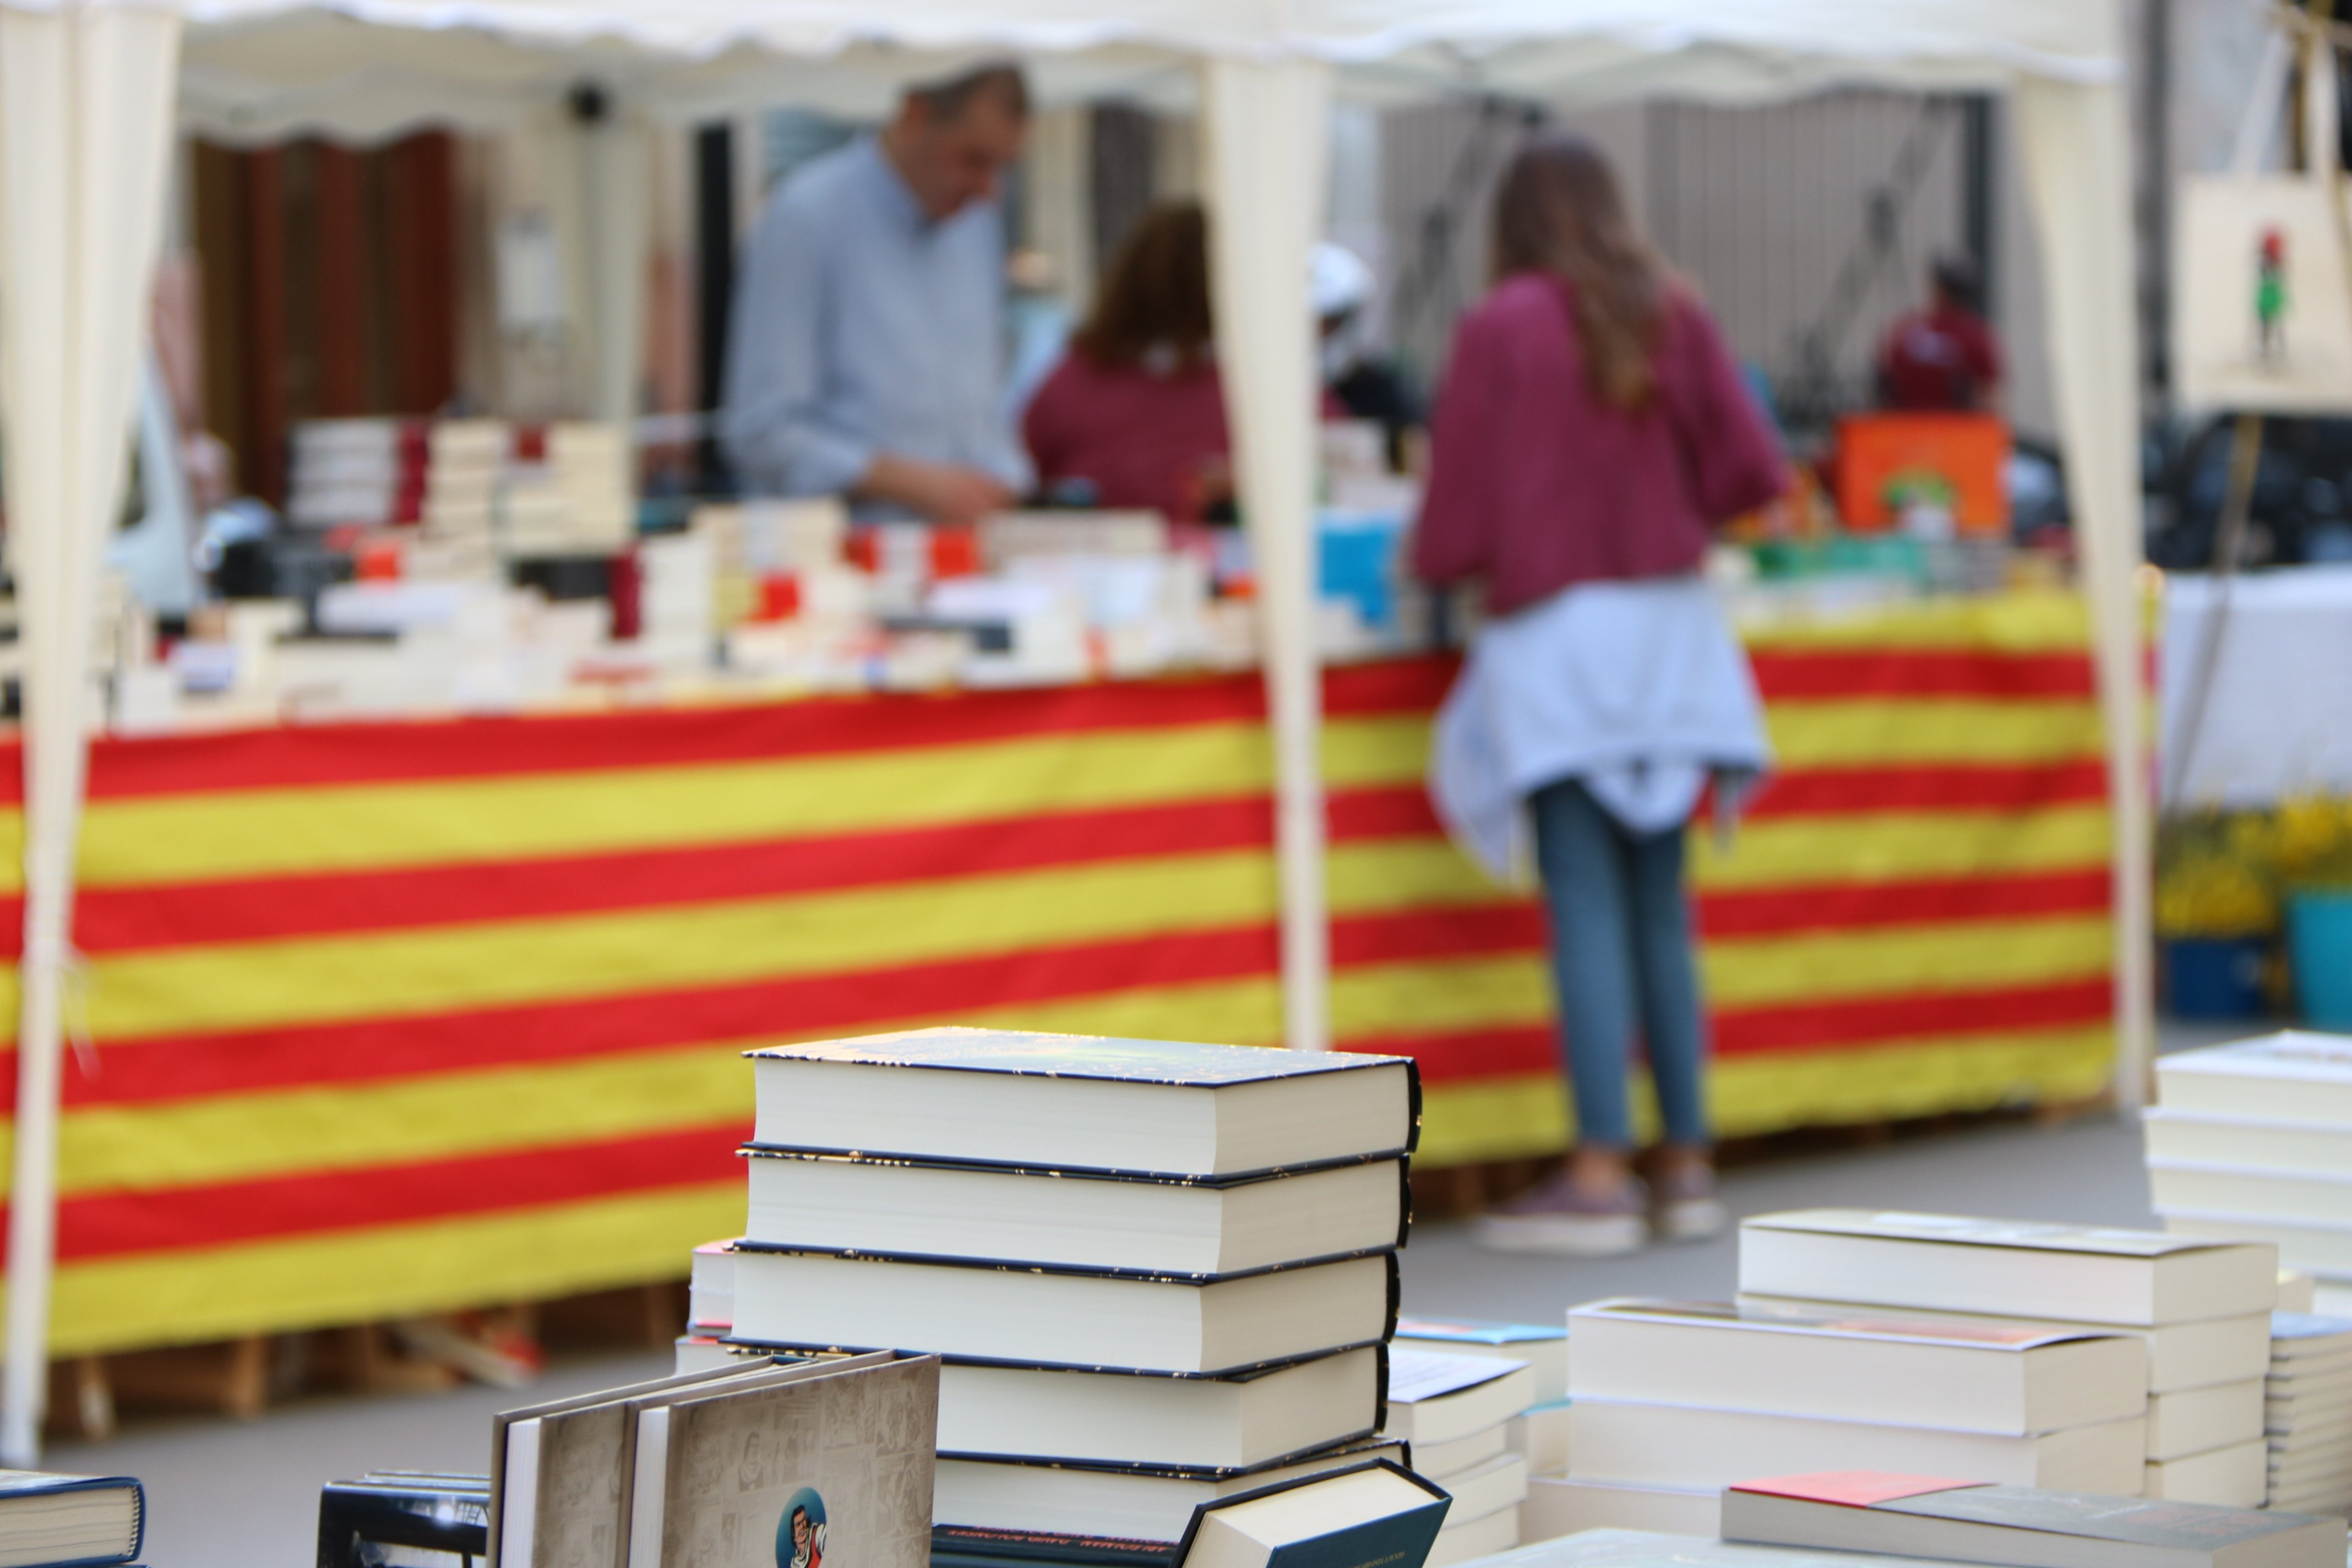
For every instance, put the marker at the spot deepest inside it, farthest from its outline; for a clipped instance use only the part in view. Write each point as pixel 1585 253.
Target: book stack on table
pixel 2308 1411
pixel 2076 1532
pixel 1685 1398
pixel 2254 1141
pixel 2200 1307
pixel 1455 1412
pixel 1160 1274
pixel 1538 1434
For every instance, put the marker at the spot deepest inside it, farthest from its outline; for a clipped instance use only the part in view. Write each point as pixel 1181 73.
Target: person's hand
pixel 942 492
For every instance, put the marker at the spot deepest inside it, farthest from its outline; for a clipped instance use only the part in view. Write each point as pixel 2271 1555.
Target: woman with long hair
pixel 1134 416
pixel 1591 431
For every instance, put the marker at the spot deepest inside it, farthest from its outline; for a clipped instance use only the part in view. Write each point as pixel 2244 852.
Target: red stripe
pixel 1839 905
pixel 294 755
pixel 129 919
pixel 102 1225
pixel 1847 674
pixel 1471 1055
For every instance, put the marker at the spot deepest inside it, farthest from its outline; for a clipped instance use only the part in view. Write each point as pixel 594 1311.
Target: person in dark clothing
pixel 1947 355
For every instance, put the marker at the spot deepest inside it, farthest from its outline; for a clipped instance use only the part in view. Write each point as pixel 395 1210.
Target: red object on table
pixel 1968 451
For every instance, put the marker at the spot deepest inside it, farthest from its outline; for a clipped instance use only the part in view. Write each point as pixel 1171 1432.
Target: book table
pixel 388 1018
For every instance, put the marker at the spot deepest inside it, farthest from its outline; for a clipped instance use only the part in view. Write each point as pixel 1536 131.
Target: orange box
pixel 1878 454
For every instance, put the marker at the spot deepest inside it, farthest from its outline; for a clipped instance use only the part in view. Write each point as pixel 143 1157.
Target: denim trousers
pixel 1621 958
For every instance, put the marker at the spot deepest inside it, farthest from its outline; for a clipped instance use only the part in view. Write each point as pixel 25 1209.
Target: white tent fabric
pixel 81 232
pixel 85 142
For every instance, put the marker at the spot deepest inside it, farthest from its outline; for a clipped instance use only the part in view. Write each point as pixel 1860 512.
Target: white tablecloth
pixel 2278 721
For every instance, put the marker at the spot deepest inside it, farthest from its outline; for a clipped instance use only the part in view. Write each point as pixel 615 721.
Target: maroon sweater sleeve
pixel 1454 538
pixel 1736 465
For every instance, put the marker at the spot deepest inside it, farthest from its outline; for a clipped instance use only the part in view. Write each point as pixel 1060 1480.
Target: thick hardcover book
pixel 1376 1515
pixel 1925 1516
pixel 1861 1365
pixel 805 1199
pixel 1040 1316
pixel 1084 1102
pixel 422 1512
pixel 969 1546
pixel 2083 1274
pixel 1117 1501
pixel 779 1475
pixel 2301 1077
pixel 57 1521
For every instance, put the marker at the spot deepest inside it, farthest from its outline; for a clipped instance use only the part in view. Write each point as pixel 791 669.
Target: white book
pixel 1542 1435
pixel 1676 1446
pixel 1435 1398
pixel 2196 1420
pixel 1179 1224
pixel 2180 1356
pixel 2293 1075
pixel 1119 1417
pixel 1478 1538
pixel 1559 1505
pixel 1500 1483
pixel 1126 1504
pixel 2257 1142
pixel 2177 1186
pixel 1956 1263
pixel 2297 1337
pixel 1137 1323
pixel 2233 1477
pixel 1439 1461
pixel 710 1286
pixel 1069 1101
pixel 1863 1365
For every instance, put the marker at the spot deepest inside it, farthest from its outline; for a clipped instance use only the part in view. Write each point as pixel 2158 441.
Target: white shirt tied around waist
pixel 1637 689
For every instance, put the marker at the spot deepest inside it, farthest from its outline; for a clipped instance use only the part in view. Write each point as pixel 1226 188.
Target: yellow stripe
pixel 391 1271
pixel 1912 730
pixel 1512 1117
pixel 453 1115
pixel 2020 622
pixel 442 1116
pixel 1879 846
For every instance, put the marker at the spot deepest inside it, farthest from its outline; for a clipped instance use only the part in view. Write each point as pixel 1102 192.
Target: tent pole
pixel 1267 124
pixel 86 113
pixel 2076 142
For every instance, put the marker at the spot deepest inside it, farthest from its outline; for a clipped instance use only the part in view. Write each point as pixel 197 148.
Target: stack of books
pixel 403 1516
pixel 749 1464
pixel 369 472
pixel 1159 1274
pixel 2200 1307
pixel 1538 1435
pixel 2308 1411
pixel 82 1521
pixel 466 464
pixel 2254 1141
pixel 1926 1517
pixel 579 497
pixel 1685 1398
pixel 1455 1412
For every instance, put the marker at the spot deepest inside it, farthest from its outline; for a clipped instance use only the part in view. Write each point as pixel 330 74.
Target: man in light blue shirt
pixel 866 354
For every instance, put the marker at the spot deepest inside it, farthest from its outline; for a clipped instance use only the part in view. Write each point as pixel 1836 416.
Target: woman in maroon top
pixel 1134 416
pixel 1590 430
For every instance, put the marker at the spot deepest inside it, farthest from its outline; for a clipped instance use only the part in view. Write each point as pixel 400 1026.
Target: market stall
pixel 391 1018
pixel 1266 73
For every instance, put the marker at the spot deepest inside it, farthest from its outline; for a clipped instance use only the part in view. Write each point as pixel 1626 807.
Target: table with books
pixel 388 1018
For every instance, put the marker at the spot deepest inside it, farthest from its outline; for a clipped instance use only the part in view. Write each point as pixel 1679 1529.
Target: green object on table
pixel 1851 554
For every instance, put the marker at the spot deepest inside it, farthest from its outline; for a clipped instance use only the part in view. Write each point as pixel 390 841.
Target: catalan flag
pixel 388 1018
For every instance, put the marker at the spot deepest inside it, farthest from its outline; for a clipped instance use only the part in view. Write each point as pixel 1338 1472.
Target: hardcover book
pixel 1084 1102
pixel 1370 1516
pixel 1924 1516
pixel 780 1474
pixel 1126 1502
pixel 55 1520
pixel 414 1511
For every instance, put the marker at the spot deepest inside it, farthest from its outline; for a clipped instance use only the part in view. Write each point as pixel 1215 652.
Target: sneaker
pixel 1687 1208
pixel 1561 1220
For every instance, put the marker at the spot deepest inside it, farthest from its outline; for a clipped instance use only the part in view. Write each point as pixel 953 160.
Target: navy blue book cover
pixel 1394 1541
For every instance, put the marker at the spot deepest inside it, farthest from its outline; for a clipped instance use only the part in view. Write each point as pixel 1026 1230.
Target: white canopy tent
pixel 78 234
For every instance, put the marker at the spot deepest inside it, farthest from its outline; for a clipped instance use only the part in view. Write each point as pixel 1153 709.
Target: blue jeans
pixel 1620 936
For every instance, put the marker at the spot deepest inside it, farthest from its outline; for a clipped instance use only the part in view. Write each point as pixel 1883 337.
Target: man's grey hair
pixel 999 80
